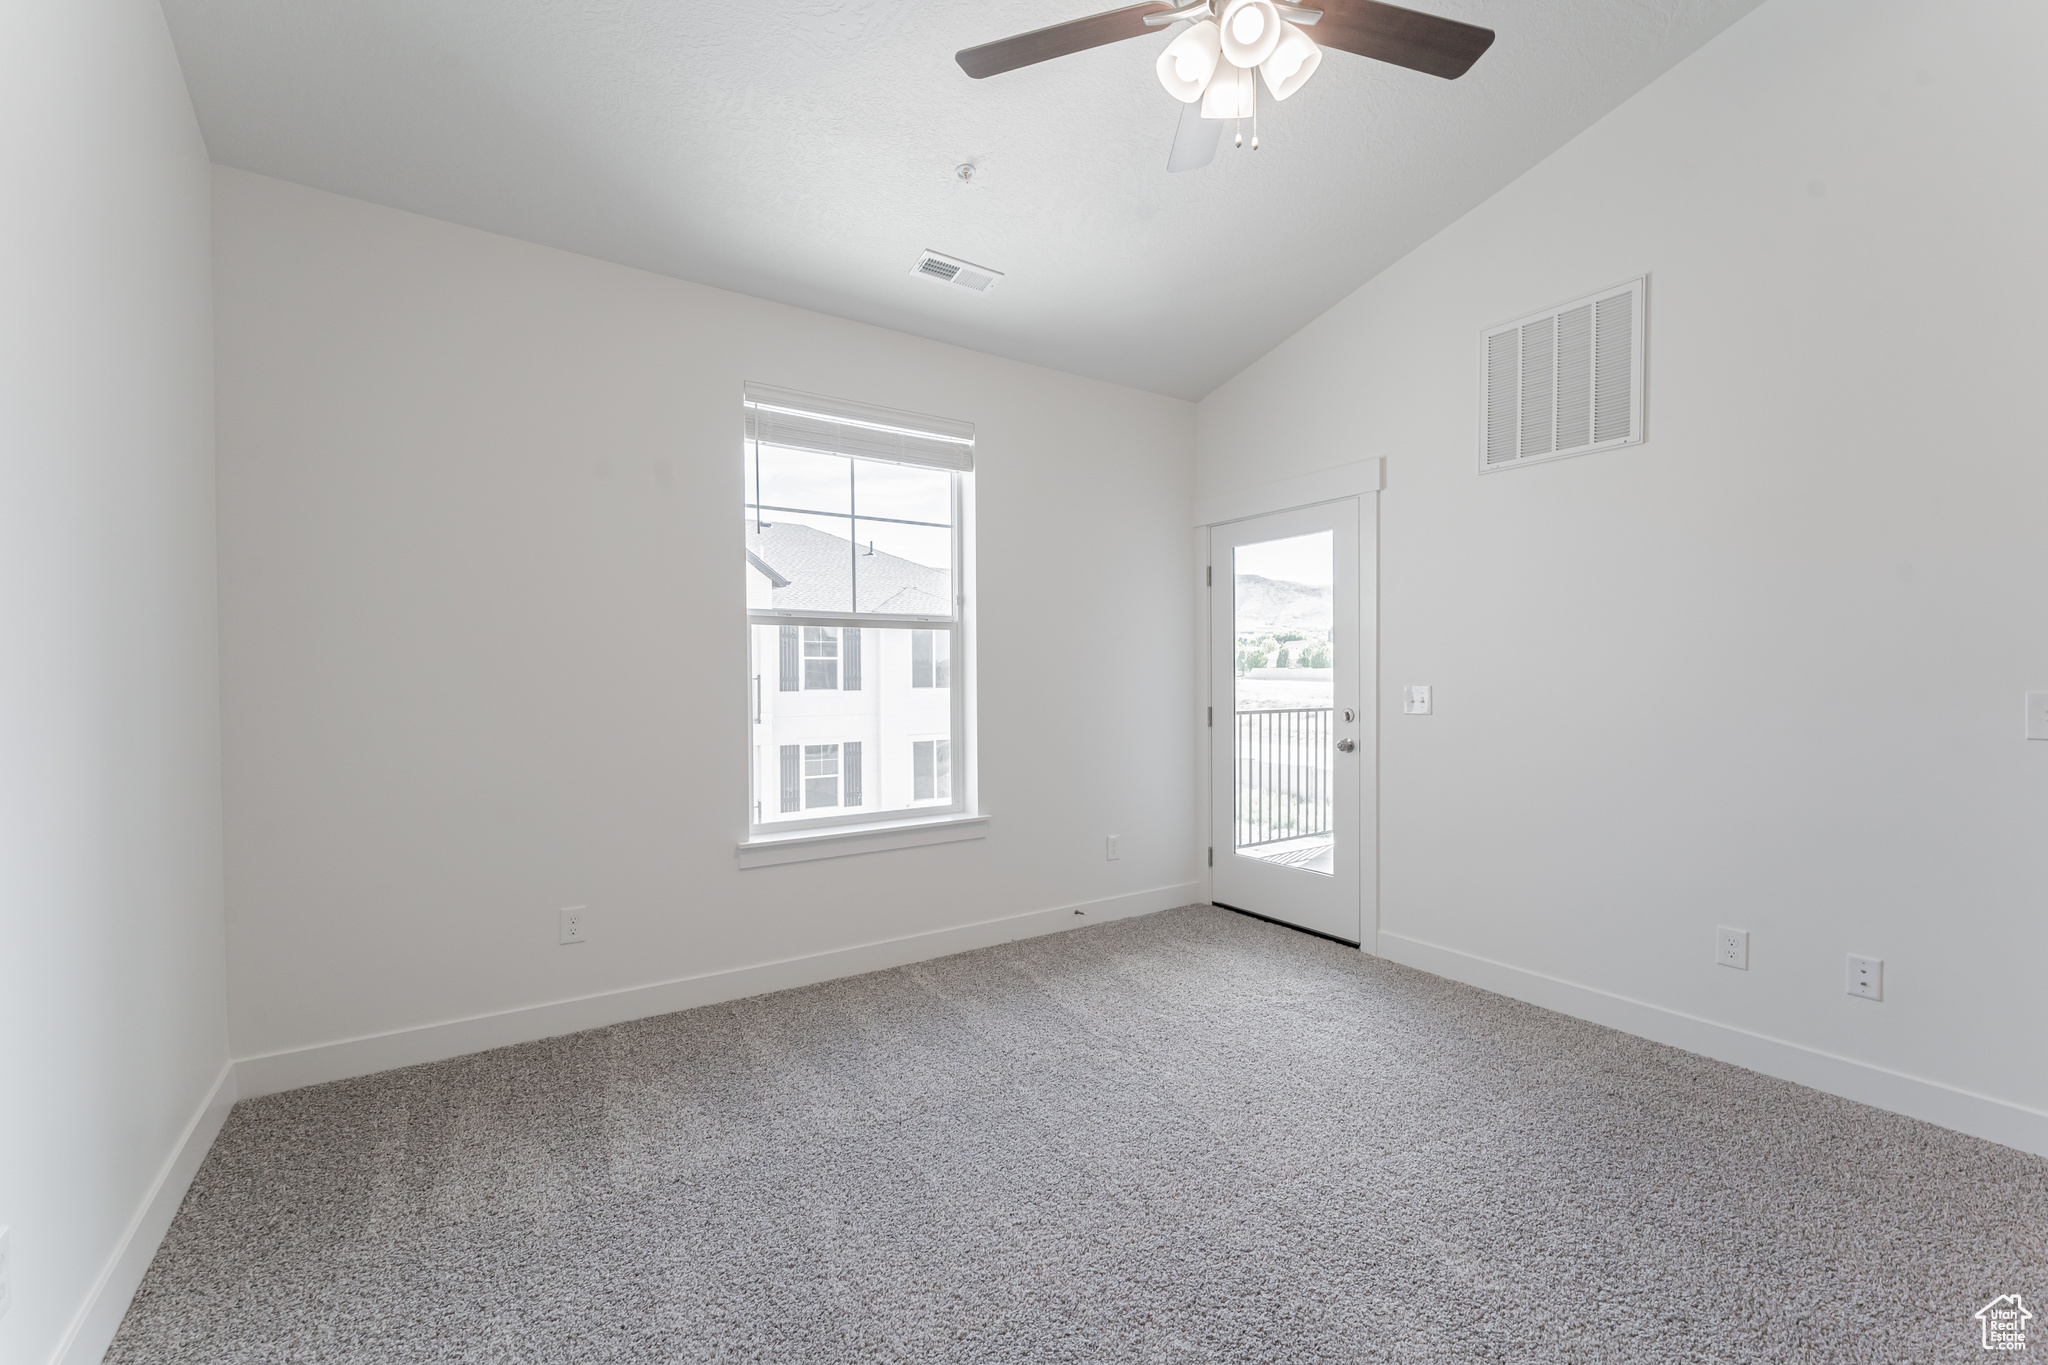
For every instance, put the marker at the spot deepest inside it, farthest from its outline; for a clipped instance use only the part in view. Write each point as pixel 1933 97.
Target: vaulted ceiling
pixel 805 151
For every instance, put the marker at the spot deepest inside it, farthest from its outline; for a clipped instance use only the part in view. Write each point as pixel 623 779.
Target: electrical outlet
pixel 1109 847
pixel 1415 700
pixel 1731 948
pixel 1866 977
pixel 575 924
pixel 6 1273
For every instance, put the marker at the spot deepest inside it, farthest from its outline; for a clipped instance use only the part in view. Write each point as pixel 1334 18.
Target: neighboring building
pixel 846 718
pixel 800 568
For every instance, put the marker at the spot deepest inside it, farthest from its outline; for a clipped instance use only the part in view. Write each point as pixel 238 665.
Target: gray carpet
pixel 1191 1137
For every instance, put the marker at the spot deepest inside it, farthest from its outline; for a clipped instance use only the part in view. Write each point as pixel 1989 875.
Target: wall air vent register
pixel 1566 381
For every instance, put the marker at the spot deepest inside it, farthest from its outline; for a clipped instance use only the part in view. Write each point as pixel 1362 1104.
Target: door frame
pixel 1363 480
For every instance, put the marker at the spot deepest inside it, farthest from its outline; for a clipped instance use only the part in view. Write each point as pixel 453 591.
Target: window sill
pixel 771 850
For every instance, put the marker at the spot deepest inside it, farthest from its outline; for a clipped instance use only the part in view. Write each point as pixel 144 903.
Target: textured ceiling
pixel 803 150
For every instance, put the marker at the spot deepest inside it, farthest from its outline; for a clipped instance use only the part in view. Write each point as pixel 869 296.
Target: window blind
pixel 787 653
pixel 838 426
pixel 849 650
pixel 792 777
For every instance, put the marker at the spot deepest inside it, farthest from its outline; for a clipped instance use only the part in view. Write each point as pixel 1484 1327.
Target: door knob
pixel 1346 745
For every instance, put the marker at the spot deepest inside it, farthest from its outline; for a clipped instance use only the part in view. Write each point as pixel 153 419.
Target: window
pixel 821 775
pixel 855 603
pixel 815 775
pixel 821 659
pixel 931 662
pixel 823 653
pixel 931 768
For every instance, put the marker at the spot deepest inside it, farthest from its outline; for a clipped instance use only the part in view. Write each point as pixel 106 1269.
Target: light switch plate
pixel 575 924
pixel 2037 715
pixel 1415 700
pixel 1731 948
pixel 1866 977
pixel 1111 847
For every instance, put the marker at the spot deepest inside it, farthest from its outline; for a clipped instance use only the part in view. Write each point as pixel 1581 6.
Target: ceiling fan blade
pixel 1388 33
pixel 1040 45
pixel 1194 142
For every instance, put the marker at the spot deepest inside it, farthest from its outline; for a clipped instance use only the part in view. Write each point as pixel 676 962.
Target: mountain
pixel 1265 605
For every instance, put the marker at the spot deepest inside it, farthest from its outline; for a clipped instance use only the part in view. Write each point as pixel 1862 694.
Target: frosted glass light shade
pixel 1230 93
pixel 1295 58
pixel 1251 30
pixel 1190 60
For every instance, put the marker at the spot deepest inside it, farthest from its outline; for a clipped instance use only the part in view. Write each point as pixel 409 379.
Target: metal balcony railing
pixel 1283 775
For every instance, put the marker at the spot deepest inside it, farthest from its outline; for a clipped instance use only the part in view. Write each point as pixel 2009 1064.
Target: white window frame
pixel 955 627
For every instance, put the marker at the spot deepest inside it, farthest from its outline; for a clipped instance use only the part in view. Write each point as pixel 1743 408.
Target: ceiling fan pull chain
pixel 1255 111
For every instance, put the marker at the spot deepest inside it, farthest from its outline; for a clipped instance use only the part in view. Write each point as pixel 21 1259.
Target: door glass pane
pixel 1282 731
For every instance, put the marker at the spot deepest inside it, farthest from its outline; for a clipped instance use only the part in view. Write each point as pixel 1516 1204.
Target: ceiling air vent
pixel 1565 381
pixel 948 270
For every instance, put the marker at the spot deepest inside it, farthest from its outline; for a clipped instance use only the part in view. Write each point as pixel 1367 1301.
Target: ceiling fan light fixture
pixel 1295 58
pixel 1230 94
pixel 1189 61
pixel 1251 30
pixel 1214 68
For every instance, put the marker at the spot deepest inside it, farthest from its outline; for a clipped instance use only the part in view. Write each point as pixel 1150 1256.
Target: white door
pixel 1291 649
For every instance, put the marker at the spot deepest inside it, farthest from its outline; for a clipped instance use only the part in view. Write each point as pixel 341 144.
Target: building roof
pixel 807 571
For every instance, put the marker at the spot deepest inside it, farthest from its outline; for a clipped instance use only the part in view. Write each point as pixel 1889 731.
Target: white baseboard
pixel 92 1329
pixel 1964 1111
pixel 316 1065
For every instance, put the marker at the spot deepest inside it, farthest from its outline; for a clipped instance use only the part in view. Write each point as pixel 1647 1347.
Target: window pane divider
pixel 845 516
pixel 848 618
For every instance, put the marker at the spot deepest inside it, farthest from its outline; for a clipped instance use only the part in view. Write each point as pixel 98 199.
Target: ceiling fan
pixel 1214 66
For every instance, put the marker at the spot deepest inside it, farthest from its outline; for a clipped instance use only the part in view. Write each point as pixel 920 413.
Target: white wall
pixel 483 645
pixel 111 964
pixel 1765 670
